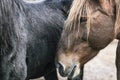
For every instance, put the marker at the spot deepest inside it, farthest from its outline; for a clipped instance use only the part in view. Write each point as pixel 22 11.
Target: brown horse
pixel 90 27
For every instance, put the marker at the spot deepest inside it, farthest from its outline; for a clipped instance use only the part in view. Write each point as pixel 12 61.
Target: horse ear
pixel 108 5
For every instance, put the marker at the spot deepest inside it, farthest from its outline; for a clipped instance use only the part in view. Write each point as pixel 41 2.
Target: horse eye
pixel 83 19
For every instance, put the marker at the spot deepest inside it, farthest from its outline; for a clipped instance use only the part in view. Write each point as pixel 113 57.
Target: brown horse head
pixel 90 27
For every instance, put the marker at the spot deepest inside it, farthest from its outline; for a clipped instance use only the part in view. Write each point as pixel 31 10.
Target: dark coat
pixel 29 34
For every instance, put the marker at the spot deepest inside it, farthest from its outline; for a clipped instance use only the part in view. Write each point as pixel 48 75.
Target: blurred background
pixel 102 67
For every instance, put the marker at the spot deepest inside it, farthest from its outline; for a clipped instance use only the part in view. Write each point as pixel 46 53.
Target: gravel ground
pixel 102 67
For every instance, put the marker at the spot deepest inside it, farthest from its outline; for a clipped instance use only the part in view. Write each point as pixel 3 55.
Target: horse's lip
pixel 74 78
pixel 71 73
pixel 77 77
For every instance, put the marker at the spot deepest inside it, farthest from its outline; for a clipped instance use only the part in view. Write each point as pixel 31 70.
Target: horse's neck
pixel 10 10
pixel 10 14
pixel 118 36
pixel 10 6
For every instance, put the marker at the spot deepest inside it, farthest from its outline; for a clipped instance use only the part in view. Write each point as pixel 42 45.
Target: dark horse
pixel 29 34
pixel 91 25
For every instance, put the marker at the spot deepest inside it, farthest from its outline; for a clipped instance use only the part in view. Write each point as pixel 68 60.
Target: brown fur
pixel 75 31
pixel 84 8
pixel 117 23
pixel 85 39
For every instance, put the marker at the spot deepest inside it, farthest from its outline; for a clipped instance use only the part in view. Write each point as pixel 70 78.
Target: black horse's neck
pixel 9 9
pixel 13 18
pixel 10 12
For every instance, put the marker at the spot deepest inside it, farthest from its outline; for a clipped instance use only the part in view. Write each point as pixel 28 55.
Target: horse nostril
pixel 61 69
pixel 66 71
pixel 59 65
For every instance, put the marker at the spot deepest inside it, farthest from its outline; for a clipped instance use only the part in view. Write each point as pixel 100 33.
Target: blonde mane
pixel 76 12
pixel 79 9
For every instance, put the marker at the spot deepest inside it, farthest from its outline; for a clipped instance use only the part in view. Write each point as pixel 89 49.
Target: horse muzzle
pixel 71 72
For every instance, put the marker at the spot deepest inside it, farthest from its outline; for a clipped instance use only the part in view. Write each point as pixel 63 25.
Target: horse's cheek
pixel 101 35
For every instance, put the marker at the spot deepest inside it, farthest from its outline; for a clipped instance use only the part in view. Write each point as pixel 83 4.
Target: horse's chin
pixel 77 77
